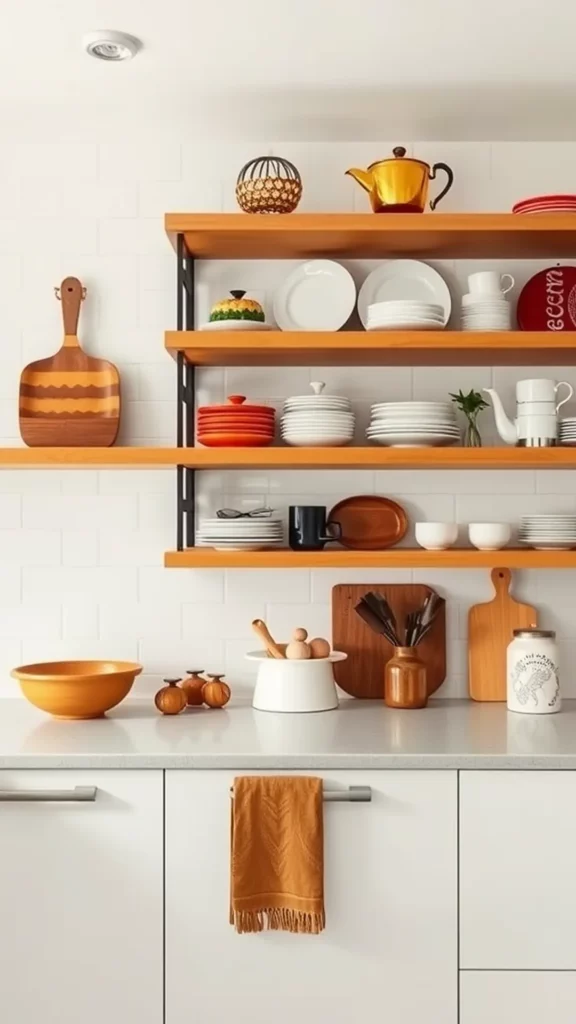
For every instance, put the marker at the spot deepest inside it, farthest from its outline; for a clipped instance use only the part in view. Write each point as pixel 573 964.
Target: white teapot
pixel 536 422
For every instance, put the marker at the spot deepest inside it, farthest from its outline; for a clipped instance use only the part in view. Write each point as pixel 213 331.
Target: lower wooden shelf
pixel 394 558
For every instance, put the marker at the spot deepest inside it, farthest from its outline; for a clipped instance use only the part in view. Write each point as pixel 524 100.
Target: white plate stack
pixel 241 534
pixel 548 532
pixel 567 431
pixel 414 424
pixel 317 420
pixel 405 315
pixel 484 312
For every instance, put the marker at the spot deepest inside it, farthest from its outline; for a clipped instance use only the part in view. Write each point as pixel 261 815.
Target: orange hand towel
pixel 277 863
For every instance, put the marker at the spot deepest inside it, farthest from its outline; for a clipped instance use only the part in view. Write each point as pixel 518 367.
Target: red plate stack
pixel 546 204
pixel 236 425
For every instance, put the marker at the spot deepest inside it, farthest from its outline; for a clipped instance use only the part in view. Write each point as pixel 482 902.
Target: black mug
pixel 308 529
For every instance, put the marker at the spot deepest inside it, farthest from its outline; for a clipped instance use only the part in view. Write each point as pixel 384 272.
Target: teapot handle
pixel 450 176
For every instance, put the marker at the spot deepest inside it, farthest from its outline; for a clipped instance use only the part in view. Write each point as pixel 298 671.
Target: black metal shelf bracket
pixel 185 397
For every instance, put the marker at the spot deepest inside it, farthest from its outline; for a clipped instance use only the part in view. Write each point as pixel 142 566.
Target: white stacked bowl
pixel 241 534
pixel 413 424
pixel 405 315
pixel 548 532
pixel 485 312
pixel 317 420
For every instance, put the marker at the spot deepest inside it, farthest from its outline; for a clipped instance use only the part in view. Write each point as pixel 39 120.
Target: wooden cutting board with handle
pixel 490 628
pixel 69 399
pixel 362 674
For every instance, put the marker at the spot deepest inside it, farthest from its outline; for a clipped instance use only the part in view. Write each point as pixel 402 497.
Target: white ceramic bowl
pixel 436 536
pixel 295 686
pixel 489 536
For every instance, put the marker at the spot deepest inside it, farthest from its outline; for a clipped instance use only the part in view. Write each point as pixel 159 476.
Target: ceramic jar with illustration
pixel 533 679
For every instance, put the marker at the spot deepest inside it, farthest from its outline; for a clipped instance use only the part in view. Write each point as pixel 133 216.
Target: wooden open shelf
pixel 373 348
pixel 30 458
pixel 394 558
pixel 292 458
pixel 439 235
pixel 378 458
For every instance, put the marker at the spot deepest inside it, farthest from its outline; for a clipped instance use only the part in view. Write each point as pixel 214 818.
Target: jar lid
pixel 536 634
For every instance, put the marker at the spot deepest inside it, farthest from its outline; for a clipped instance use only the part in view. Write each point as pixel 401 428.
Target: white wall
pixel 81 551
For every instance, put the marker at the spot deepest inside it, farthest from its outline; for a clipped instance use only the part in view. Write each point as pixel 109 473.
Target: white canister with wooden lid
pixel 533 678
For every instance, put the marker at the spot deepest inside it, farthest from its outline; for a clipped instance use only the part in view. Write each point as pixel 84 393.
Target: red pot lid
pixel 548 301
pixel 237 405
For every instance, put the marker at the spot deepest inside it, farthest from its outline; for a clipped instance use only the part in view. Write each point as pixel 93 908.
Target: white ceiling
pixel 305 69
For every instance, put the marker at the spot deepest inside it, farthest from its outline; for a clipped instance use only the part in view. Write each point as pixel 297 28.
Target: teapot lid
pixel 399 154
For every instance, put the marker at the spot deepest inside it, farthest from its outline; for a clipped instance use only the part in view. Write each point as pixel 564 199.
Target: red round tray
pixel 548 301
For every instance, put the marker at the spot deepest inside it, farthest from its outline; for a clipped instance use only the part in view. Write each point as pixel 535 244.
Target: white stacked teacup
pixel 485 307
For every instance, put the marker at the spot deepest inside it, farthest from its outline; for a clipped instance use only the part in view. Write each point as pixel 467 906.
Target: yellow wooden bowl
pixel 77 689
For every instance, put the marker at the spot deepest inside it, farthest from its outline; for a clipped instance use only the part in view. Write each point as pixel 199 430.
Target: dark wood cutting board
pixel 362 674
pixel 69 399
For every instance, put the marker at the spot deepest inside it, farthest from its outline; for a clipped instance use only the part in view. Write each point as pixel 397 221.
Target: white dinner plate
pixel 235 325
pixel 404 279
pixel 316 296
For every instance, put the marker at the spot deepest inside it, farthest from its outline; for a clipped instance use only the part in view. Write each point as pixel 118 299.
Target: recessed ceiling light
pixel 112 46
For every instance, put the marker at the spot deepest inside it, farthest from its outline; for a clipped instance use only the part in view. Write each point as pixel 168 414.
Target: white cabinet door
pixel 527 997
pixel 389 949
pixel 517 843
pixel 81 900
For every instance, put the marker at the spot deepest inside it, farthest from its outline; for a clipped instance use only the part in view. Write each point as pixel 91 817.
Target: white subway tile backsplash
pixel 81 551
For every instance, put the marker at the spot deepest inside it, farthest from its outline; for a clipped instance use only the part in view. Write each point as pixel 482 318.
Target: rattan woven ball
pixel 269 184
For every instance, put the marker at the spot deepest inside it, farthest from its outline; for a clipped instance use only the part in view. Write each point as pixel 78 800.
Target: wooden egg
pixel 192 687
pixel 297 650
pixel 319 647
pixel 300 634
pixel 170 700
pixel 215 693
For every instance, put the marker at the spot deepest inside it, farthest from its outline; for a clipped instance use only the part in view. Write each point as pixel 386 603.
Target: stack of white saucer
pixel 485 307
pixel 567 431
pixel 413 424
pixel 405 315
pixel 317 420
pixel 548 532
pixel 241 534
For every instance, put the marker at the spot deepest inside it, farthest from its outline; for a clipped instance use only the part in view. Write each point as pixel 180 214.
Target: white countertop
pixel 448 734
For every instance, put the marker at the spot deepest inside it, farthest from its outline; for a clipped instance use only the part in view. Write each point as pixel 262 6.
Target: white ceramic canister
pixel 290 686
pixel 532 672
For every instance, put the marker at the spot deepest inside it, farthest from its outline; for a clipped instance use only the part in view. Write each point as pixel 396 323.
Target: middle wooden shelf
pixel 374 348
pixel 377 458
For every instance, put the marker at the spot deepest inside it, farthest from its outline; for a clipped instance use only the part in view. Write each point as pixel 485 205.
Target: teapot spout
pixel 364 178
pixel 505 427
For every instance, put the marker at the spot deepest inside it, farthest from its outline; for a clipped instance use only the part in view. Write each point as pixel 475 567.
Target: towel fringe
pixel 278 919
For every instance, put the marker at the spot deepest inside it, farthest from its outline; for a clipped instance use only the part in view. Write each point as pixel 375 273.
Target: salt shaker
pixel 533 680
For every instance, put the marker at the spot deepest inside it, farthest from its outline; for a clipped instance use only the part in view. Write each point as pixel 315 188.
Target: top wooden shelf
pixel 440 235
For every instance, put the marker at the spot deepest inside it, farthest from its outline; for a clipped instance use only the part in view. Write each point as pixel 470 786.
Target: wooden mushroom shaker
pixel 298 649
pixel 192 687
pixel 215 693
pixel 171 699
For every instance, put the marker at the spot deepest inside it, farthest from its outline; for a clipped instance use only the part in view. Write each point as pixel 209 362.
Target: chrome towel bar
pixel 78 794
pixel 354 794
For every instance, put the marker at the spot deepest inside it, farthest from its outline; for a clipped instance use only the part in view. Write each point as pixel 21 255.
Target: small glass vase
pixel 405 680
pixel 472 437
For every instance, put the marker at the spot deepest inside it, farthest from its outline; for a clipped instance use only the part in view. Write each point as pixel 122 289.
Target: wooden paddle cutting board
pixel 362 674
pixel 490 629
pixel 69 399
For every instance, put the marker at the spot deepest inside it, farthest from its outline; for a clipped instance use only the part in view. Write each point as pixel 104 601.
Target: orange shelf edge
pixel 394 558
pixel 373 348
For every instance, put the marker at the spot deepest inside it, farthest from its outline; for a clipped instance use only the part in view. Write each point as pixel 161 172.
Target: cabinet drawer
pixel 389 948
pixel 81 897
pixel 530 997
pixel 517 842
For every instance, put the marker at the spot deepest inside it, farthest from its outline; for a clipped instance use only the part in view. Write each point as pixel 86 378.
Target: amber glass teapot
pixel 400 184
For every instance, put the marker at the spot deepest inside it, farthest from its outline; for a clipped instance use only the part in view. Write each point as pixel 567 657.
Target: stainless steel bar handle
pixel 354 794
pixel 80 794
